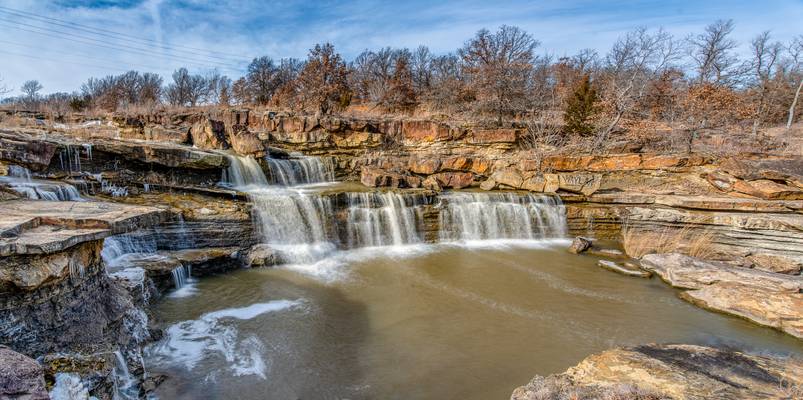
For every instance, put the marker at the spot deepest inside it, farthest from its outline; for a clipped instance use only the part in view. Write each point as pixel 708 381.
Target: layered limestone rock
pixel 763 234
pixel 774 300
pixel 56 295
pixel 671 372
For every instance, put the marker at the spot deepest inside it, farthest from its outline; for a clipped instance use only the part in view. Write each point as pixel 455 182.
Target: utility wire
pixel 118 47
pixel 89 57
pixel 199 61
pixel 107 67
pixel 105 32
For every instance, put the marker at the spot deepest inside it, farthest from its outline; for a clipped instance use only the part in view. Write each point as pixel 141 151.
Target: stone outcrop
pixel 774 300
pixel 56 294
pixel 21 377
pixel 671 372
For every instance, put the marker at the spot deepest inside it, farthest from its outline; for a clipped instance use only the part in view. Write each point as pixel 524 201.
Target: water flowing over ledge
pixel 305 225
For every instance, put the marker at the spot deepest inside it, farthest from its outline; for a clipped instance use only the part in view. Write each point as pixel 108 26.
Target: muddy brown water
pixel 469 321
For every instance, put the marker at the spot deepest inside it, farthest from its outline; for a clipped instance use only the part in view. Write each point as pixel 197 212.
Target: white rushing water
pixel 471 216
pixel 383 219
pixel 19 179
pixel 303 225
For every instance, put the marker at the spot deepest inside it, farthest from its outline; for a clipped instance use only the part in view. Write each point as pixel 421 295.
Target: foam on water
pixel 188 343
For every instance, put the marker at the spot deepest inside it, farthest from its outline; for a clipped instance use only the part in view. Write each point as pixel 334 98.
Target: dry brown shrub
pixel 638 242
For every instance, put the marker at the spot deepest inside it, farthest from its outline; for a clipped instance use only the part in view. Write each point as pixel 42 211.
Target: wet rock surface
pixel 671 372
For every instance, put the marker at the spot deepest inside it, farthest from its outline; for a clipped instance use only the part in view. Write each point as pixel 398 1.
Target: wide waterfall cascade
pixel 487 216
pixel 19 179
pixel 382 219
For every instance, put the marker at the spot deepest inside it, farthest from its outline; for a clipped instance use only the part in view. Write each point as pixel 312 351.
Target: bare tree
pixel 795 50
pixel 261 79
pixel 765 54
pixel 323 82
pixel 187 89
pixel 3 88
pixel 634 61
pixel 421 69
pixel 498 65
pixel 448 86
pixel 240 93
pixel 30 92
pixel 712 54
pixel 401 95
pixel 150 88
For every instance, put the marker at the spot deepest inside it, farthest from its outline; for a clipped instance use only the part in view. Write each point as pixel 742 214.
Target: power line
pixel 203 62
pixel 95 30
pixel 150 67
pixel 116 47
pixel 107 67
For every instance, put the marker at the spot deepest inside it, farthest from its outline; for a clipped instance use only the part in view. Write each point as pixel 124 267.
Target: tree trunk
pixel 794 103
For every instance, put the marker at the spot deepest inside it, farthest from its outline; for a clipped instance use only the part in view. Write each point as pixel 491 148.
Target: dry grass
pixel 691 241
pixel 559 388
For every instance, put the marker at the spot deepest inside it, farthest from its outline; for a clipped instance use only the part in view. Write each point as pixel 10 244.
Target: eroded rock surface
pixel 671 372
pixel 774 300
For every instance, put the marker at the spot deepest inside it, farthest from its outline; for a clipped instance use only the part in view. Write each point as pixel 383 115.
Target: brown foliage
pixel 323 82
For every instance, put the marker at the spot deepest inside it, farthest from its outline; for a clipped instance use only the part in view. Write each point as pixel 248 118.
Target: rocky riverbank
pixel 157 185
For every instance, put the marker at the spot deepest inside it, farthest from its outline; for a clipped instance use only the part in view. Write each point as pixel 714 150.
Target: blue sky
pixel 161 35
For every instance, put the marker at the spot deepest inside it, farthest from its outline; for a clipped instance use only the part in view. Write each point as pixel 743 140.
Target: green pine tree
pixel 580 107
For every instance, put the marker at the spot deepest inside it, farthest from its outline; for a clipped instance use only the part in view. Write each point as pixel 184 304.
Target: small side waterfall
pixel 300 170
pixel 484 216
pixel 245 171
pixel 116 249
pixel 181 276
pixel 19 180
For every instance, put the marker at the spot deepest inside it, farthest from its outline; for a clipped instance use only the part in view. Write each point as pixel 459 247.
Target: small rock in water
pixel 579 245
pixel 628 269
pixel 261 255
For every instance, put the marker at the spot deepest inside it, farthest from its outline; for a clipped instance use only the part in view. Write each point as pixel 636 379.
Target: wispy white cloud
pixel 236 31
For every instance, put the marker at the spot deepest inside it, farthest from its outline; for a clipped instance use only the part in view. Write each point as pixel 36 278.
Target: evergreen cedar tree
pixel 580 107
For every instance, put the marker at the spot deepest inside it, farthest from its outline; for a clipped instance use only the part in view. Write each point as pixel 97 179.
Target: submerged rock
pixel 21 377
pixel 670 372
pixel 624 269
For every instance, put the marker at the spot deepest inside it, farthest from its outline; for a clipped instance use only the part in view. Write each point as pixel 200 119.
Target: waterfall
pixel 484 216
pixel 245 171
pixel 20 180
pixel 300 170
pixel 118 248
pixel 125 385
pixel 181 276
pixel 381 219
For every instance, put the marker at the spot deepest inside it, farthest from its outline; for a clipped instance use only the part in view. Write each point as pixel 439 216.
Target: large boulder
pixel 676 371
pixel 414 132
pixel 579 245
pixel 375 177
pixel 582 183
pixel 424 166
pixel 454 180
pixel 209 134
pixel 21 377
